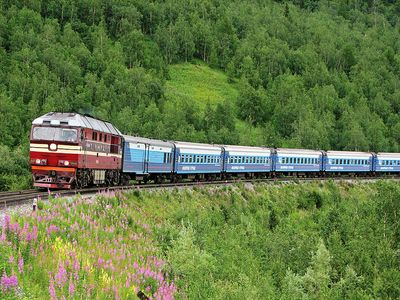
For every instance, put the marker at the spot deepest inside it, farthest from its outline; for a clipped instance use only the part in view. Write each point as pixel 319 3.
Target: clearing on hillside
pixel 199 84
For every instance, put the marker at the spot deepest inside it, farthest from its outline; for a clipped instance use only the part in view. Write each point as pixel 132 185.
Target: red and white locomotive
pixel 70 149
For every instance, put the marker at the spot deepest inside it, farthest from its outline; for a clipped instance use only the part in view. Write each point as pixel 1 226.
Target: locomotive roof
pixel 75 119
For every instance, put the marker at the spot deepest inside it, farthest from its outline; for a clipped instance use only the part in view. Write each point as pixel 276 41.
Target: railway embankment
pixel 315 240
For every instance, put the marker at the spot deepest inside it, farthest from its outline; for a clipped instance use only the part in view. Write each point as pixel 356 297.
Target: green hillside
pixel 280 242
pixel 308 74
pixel 199 84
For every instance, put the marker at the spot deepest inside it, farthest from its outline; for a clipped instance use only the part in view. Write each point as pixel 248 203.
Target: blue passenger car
pixel 348 161
pixel 387 162
pixel 242 159
pixel 193 158
pixel 298 160
pixel 144 156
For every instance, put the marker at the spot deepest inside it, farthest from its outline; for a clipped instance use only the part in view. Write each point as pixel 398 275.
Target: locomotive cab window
pixel 60 134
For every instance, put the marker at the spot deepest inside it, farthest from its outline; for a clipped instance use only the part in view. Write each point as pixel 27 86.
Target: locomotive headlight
pixel 66 163
pixel 53 147
pixel 37 161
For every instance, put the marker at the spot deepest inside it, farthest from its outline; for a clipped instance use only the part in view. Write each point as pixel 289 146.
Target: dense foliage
pixel 309 241
pixel 310 73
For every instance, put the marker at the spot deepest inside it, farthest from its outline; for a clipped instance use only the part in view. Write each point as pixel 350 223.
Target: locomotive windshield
pixel 55 134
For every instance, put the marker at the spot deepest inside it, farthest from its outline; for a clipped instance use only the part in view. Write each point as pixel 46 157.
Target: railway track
pixel 8 199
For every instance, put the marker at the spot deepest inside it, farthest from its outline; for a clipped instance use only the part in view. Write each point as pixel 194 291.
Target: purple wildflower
pixel 71 287
pixel 7 221
pixel 34 232
pixel 100 262
pixel 76 265
pixel 52 228
pixel 7 283
pixel 61 276
pixel 21 265
pixel 3 235
pixel 52 289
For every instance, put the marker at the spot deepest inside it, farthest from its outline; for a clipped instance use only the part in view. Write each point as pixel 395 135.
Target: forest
pixel 309 73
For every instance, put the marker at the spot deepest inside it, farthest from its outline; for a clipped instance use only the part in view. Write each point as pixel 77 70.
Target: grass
pixel 199 84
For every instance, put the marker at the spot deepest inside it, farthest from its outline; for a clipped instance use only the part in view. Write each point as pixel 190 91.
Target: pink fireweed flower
pixel 24 231
pixel 61 276
pixel 3 236
pixel 7 220
pixel 52 289
pixel 34 232
pixel 76 265
pixel 52 228
pixel 100 262
pixel 7 283
pixel 29 236
pixel 21 265
pixel 11 259
pixel 116 293
pixel 71 287
pixel 14 227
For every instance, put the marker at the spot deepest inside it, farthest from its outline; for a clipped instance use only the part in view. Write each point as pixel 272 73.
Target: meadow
pixel 297 241
pixel 199 84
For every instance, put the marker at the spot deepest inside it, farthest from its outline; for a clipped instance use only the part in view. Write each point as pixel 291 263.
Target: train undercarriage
pixel 67 178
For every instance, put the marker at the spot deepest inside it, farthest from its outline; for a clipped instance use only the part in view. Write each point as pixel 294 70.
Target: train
pixel 72 150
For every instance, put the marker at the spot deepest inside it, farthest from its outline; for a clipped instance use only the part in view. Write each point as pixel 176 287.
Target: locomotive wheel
pixel 116 178
pixel 82 179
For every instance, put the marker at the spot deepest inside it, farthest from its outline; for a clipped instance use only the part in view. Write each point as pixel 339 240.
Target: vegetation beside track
pixel 314 240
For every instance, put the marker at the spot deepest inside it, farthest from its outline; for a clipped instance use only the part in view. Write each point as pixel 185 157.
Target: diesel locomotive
pixel 69 149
